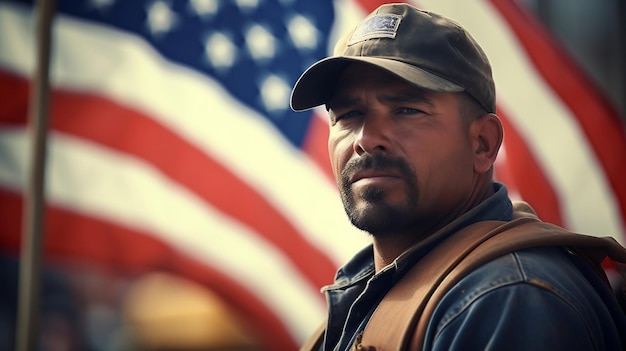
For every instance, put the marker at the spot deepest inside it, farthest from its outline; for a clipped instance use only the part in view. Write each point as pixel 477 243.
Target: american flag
pixel 172 146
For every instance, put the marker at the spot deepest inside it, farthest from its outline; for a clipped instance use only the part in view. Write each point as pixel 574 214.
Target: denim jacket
pixel 536 299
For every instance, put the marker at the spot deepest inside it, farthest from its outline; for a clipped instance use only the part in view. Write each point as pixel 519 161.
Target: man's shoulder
pixel 554 269
pixel 547 268
pixel 551 268
pixel 528 289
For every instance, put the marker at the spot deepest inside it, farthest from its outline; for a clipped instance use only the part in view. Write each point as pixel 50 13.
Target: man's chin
pixel 378 220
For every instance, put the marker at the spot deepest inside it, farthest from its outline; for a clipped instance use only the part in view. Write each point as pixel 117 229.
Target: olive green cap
pixel 423 48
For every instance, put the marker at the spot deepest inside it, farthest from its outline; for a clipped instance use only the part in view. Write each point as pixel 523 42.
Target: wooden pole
pixel 27 334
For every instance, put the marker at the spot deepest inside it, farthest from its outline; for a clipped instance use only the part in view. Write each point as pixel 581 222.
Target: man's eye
pixel 346 115
pixel 409 110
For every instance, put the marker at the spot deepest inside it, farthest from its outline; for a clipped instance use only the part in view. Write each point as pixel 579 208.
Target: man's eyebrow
pixel 342 102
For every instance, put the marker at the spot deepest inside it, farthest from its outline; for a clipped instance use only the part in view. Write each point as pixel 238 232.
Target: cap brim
pixel 315 86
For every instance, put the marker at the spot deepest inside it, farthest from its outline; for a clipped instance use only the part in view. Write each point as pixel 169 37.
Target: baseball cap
pixel 424 48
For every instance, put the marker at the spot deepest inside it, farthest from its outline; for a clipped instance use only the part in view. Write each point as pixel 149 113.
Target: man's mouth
pixel 374 175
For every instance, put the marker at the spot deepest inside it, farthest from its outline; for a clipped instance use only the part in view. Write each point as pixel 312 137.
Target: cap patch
pixel 377 26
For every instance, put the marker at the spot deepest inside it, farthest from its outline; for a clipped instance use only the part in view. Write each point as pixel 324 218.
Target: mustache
pixel 376 162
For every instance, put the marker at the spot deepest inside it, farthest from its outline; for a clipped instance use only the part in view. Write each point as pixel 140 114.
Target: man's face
pixel 401 156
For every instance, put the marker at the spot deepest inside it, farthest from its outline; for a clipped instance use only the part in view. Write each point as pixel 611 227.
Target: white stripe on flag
pixel 114 187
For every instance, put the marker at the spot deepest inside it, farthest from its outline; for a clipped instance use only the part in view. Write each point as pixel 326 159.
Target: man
pixel 413 139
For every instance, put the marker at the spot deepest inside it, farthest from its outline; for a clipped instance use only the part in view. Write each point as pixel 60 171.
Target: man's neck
pixel 388 247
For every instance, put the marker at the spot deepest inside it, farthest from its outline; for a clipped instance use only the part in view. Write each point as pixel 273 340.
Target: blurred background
pixel 592 33
pixel 188 208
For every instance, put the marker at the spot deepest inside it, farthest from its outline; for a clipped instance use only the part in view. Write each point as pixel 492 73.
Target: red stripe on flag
pixel 102 121
pixel 371 5
pixel 316 145
pixel 14 92
pixel 598 119
pixel 128 252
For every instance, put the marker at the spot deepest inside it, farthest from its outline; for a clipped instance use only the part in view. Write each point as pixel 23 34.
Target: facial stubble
pixel 375 214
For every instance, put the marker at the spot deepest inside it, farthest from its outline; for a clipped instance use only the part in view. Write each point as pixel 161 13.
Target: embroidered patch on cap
pixel 377 26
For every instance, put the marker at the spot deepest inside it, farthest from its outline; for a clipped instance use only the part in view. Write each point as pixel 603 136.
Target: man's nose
pixel 373 136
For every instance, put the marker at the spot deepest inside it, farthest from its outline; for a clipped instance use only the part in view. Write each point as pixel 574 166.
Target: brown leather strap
pixel 392 323
pixel 529 235
pixel 400 320
pixel 407 298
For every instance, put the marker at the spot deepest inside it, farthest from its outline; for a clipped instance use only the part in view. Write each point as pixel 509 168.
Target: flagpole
pixel 27 331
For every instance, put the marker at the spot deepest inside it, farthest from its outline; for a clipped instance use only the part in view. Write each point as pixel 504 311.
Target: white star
pixel 220 51
pixel 260 42
pixel 161 18
pixel 302 32
pixel 204 8
pixel 275 93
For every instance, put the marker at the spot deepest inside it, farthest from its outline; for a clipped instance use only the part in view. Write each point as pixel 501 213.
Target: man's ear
pixel 487 135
